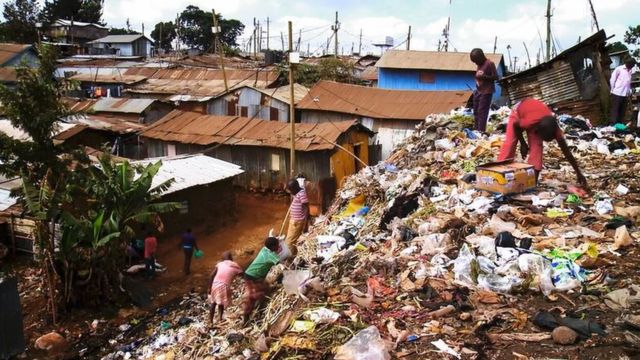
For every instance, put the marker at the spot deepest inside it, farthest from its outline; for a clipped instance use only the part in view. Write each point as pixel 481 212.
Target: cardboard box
pixel 505 177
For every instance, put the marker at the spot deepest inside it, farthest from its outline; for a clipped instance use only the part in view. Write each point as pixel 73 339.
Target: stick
pixel 285 220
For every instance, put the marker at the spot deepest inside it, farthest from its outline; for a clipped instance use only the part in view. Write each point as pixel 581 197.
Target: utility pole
pixel 495 44
pixel 335 34
pixel 160 44
pixel 292 119
pixel 515 61
pixel 142 28
pixel 548 16
pixel 509 52
pixel 218 45
pixel 282 39
pixel 299 39
pixel 259 37
pixel 360 44
pixel 527 50
pixel 255 40
pixel 267 33
pixel 308 49
pixel 594 18
pixel 409 39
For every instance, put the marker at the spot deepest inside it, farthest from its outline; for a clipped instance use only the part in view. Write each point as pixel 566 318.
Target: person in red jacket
pixel 536 119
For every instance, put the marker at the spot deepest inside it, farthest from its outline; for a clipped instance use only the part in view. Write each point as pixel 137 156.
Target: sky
pixel 474 23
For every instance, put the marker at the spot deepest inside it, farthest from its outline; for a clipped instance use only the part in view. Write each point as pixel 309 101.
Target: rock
pixel 564 336
pixel 52 342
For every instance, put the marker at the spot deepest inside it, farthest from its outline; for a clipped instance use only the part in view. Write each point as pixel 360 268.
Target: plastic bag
pixel 622 238
pixel 434 243
pixel 321 315
pixel 497 283
pixel 329 245
pixel 293 279
pixel 284 252
pixel 198 254
pixel 463 264
pixel 365 345
pixel 566 274
pixel 497 225
pixel 532 264
pixel 604 206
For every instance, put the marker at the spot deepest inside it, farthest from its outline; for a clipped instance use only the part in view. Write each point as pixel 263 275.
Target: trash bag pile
pixel 412 262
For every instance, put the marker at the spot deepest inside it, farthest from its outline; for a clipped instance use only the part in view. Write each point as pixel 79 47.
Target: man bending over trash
pixel 220 284
pixel 536 119
pixel 255 286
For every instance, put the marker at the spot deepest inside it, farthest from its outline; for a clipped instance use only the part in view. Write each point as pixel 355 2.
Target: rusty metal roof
pixel 109 79
pixel 198 82
pixel 8 74
pixel 8 51
pixel 381 103
pixel 76 105
pixel 102 122
pixel 431 60
pixel 195 128
pixel 122 105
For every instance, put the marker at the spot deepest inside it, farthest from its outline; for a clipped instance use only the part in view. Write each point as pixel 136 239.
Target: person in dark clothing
pixel 486 75
pixel 150 248
pixel 188 244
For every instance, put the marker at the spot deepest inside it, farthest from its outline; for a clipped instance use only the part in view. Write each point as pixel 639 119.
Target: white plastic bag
pixel 462 266
pixel 293 279
pixel 365 345
pixel 321 315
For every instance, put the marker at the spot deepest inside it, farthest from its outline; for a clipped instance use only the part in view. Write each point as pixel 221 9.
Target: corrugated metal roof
pixel 191 170
pixel 8 74
pixel 381 103
pixel 77 105
pixel 100 122
pixel 431 60
pixel 282 93
pixel 198 82
pixel 63 22
pixel 9 50
pixel 8 129
pixel 109 79
pixel 119 39
pixel 122 105
pixel 195 128
pixel 6 200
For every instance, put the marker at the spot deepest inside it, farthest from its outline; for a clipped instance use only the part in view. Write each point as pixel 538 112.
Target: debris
pixel 365 345
pixel 443 347
pixel 53 343
pixel 622 238
pixel 564 336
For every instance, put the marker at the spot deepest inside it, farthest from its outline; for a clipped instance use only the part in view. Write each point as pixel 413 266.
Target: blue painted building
pixel 432 70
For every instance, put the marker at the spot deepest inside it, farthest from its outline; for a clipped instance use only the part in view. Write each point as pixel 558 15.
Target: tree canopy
pixel 195 29
pixel 89 11
pixel 164 33
pixel 20 17
pixel 632 37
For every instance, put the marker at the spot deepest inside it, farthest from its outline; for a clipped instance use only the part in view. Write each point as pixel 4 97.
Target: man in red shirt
pixel 150 247
pixel 536 119
pixel 486 75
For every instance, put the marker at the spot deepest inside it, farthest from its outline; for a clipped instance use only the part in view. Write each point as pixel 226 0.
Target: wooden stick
pixel 285 220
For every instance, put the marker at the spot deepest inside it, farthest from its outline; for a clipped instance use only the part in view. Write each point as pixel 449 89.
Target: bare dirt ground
pixel 244 236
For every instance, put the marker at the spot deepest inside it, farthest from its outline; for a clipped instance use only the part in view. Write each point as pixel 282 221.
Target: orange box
pixel 505 177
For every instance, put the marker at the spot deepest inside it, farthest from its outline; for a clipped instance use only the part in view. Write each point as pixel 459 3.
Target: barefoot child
pixel 220 284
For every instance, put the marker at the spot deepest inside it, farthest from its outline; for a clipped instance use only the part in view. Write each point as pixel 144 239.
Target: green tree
pixel 89 11
pixel 20 17
pixel 195 29
pixel 617 46
pixel 122 31
pixel 632 37
pixel 164 33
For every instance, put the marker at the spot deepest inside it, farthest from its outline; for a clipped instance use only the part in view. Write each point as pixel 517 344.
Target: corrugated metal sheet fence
pixel 12 340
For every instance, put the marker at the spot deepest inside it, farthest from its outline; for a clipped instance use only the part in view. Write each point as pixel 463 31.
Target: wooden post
pixel 217 44
pixel 409 39
pixel 548 16
pixel 267 33
pixel 335 34
pixel 292 118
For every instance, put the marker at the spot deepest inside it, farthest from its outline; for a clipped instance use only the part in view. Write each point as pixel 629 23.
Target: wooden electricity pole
pixel 495 44
pixel 527 50
pixel 335 35
pixel 360 44
pixel 548 16
pixel 218 45
pixel 292 119
pixel 267 33
pixel 409 39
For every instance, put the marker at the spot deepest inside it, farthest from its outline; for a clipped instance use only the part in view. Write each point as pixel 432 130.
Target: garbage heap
pixel 412 262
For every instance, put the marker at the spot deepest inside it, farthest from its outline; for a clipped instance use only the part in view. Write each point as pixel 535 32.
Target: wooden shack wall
pixel 344 164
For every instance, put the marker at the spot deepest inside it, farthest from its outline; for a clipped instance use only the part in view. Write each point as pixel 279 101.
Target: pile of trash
pixel 412 262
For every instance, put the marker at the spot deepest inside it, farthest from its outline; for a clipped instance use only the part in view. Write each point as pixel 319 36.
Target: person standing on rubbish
pixel 220 284
pixel 255 286
pixel 536 119
pixel 187 244
pixel 486 75
pixel 150 248
pixel 298 214
pixel 620 90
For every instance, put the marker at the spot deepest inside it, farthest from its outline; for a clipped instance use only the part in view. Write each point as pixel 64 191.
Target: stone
pixel 564 336
pixel 52 342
